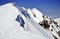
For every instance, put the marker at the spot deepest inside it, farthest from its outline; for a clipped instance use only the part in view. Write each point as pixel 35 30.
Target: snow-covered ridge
pixel 10 28
pixel 57 20
pixel 45 21
pixel 21 23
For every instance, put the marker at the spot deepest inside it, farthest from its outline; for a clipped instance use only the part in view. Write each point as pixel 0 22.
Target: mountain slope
pixel 57 20
pixel 10 28
pixel 21 23
pixel 34 28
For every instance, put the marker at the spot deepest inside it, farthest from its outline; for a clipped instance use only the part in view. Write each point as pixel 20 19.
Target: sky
pixel 47 7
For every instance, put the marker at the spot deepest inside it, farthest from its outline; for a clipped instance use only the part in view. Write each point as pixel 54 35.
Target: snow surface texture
pixel 38 27
pixel 50 22
pixel 39 18
pixel 10 28
pixel 58 21
pixel 20 23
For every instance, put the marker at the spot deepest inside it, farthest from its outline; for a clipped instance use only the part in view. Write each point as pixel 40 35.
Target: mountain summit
pixel 21 23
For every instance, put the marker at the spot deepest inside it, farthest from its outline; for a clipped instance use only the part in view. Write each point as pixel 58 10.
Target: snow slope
pixel 38 14
pixel 38 17
pixel 57 20
pixel 10 28
pixel 36 28
pixel 31 15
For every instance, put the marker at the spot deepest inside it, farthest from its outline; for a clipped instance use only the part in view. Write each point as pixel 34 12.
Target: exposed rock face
pixel 51 25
